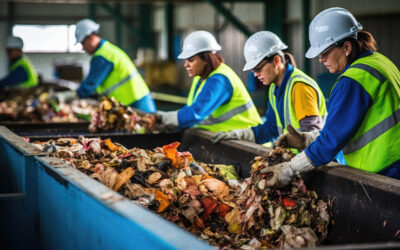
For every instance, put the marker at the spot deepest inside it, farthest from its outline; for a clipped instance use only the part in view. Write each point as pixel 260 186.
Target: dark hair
pixel 212 62
pixel 364 42
pixel 285 58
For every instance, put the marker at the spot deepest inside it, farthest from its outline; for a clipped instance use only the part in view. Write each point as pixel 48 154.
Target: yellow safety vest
pixel 124 82
pixel 376 144
pixel 289 112
pixel 238 113
pixel 27 65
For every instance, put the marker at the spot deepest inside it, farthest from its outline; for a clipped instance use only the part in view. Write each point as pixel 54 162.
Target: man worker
pixel 111 73
pixel 22 72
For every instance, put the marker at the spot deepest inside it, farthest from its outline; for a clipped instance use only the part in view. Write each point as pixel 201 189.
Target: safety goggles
pixel 260 66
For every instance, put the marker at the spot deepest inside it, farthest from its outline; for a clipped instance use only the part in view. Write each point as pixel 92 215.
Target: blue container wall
pixel 12 169
pixel 76 212
pixel 18 199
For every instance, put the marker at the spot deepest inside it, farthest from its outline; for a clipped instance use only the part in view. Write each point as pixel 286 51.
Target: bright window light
pixel 48 38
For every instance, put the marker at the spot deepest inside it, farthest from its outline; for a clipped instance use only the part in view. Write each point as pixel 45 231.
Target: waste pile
pixel 112 115
pixel 32 107
pixel 208 200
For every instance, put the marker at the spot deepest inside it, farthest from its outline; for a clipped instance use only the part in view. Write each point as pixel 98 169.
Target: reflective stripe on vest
pixel 378 129
pixel 375 144
pixel 292 119
pixel 238 113
pixel 32 79
pixel 373 133
pixel 228 115
pixel 119 84
pixel 124 82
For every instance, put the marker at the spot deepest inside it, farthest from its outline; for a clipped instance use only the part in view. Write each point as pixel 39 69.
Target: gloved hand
pixel 284 172
pixel 296 139
pixel 168 117
pixel 245 134
pixel 65 96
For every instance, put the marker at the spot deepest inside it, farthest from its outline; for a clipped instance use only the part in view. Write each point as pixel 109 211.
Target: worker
pixel 294 98
pixel 364 114
pixel 218 99
pixel 22 72
pixel 111 73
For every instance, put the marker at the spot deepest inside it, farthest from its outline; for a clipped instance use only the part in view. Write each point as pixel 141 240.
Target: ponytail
pixel 364 42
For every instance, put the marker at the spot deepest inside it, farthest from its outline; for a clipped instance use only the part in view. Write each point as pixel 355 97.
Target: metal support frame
pixel 92 11
pixel 305 21
pixel 118 26
pixel 230 17
pixel 169 29
pixel 274 16
pixel 146 25
pixel 114 13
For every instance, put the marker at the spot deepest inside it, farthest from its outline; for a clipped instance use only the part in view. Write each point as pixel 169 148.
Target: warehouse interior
pixel 54 206
pixel 152 32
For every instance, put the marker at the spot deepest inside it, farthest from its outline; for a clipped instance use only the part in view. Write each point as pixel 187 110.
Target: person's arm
pixel 268 131
pixel 347 106
pixel 15 77
pixel 305 103
pixel 146 104
pixel 100 68
pixel 216 91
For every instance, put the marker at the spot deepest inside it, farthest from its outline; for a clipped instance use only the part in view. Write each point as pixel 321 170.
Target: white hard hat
pixel 198 41
pixel 14 42
pixel 260 45
pixel 84 28
pixel 330 26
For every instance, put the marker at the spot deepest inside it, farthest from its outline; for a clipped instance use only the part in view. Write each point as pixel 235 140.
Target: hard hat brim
pixel 252 64
pixel 314 52
pixel 186 55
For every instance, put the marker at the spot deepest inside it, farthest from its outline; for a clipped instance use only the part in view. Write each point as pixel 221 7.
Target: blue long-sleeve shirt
pixel 268 131
pixel 217 90
pixel 100 68
pixel 347 106
pixel 15 77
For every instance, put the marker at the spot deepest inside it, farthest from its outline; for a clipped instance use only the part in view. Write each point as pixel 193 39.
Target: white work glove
pixel 245 134
pixel 296 139
pixel 284 172
pixel 65 96
pixel 168 117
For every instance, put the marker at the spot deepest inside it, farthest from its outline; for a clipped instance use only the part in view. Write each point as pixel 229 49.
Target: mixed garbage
pixel 208 200
pixel 112 115
pixel 43 107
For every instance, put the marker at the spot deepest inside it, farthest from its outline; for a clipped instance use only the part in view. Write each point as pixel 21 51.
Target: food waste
pixel 112 115
pixel 207 200
pixel 32 107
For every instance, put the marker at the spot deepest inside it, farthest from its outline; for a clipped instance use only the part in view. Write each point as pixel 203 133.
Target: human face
pixel 194 66
pixel 14 53
pixel 90 44
pixel 266 72
pixel 335 57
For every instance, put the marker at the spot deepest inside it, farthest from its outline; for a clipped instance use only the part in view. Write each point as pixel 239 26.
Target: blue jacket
pixel 216 91
pixel 100 68
pixel 15 77
pixel 347 105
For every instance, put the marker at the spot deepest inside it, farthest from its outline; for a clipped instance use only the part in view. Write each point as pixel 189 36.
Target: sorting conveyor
pixel 71 210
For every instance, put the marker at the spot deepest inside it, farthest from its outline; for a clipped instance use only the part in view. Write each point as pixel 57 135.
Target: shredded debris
pixel 206 199
pixel 111 115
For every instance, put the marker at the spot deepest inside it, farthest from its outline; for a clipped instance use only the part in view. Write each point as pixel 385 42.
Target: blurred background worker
pixel 364 114
pixel 22 72
pixel 294 98
pixel 111 73
pixel 218 99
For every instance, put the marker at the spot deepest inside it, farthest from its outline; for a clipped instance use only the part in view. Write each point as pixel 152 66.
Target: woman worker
pixel 218 99
pixel 364 114
pixel 295 100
